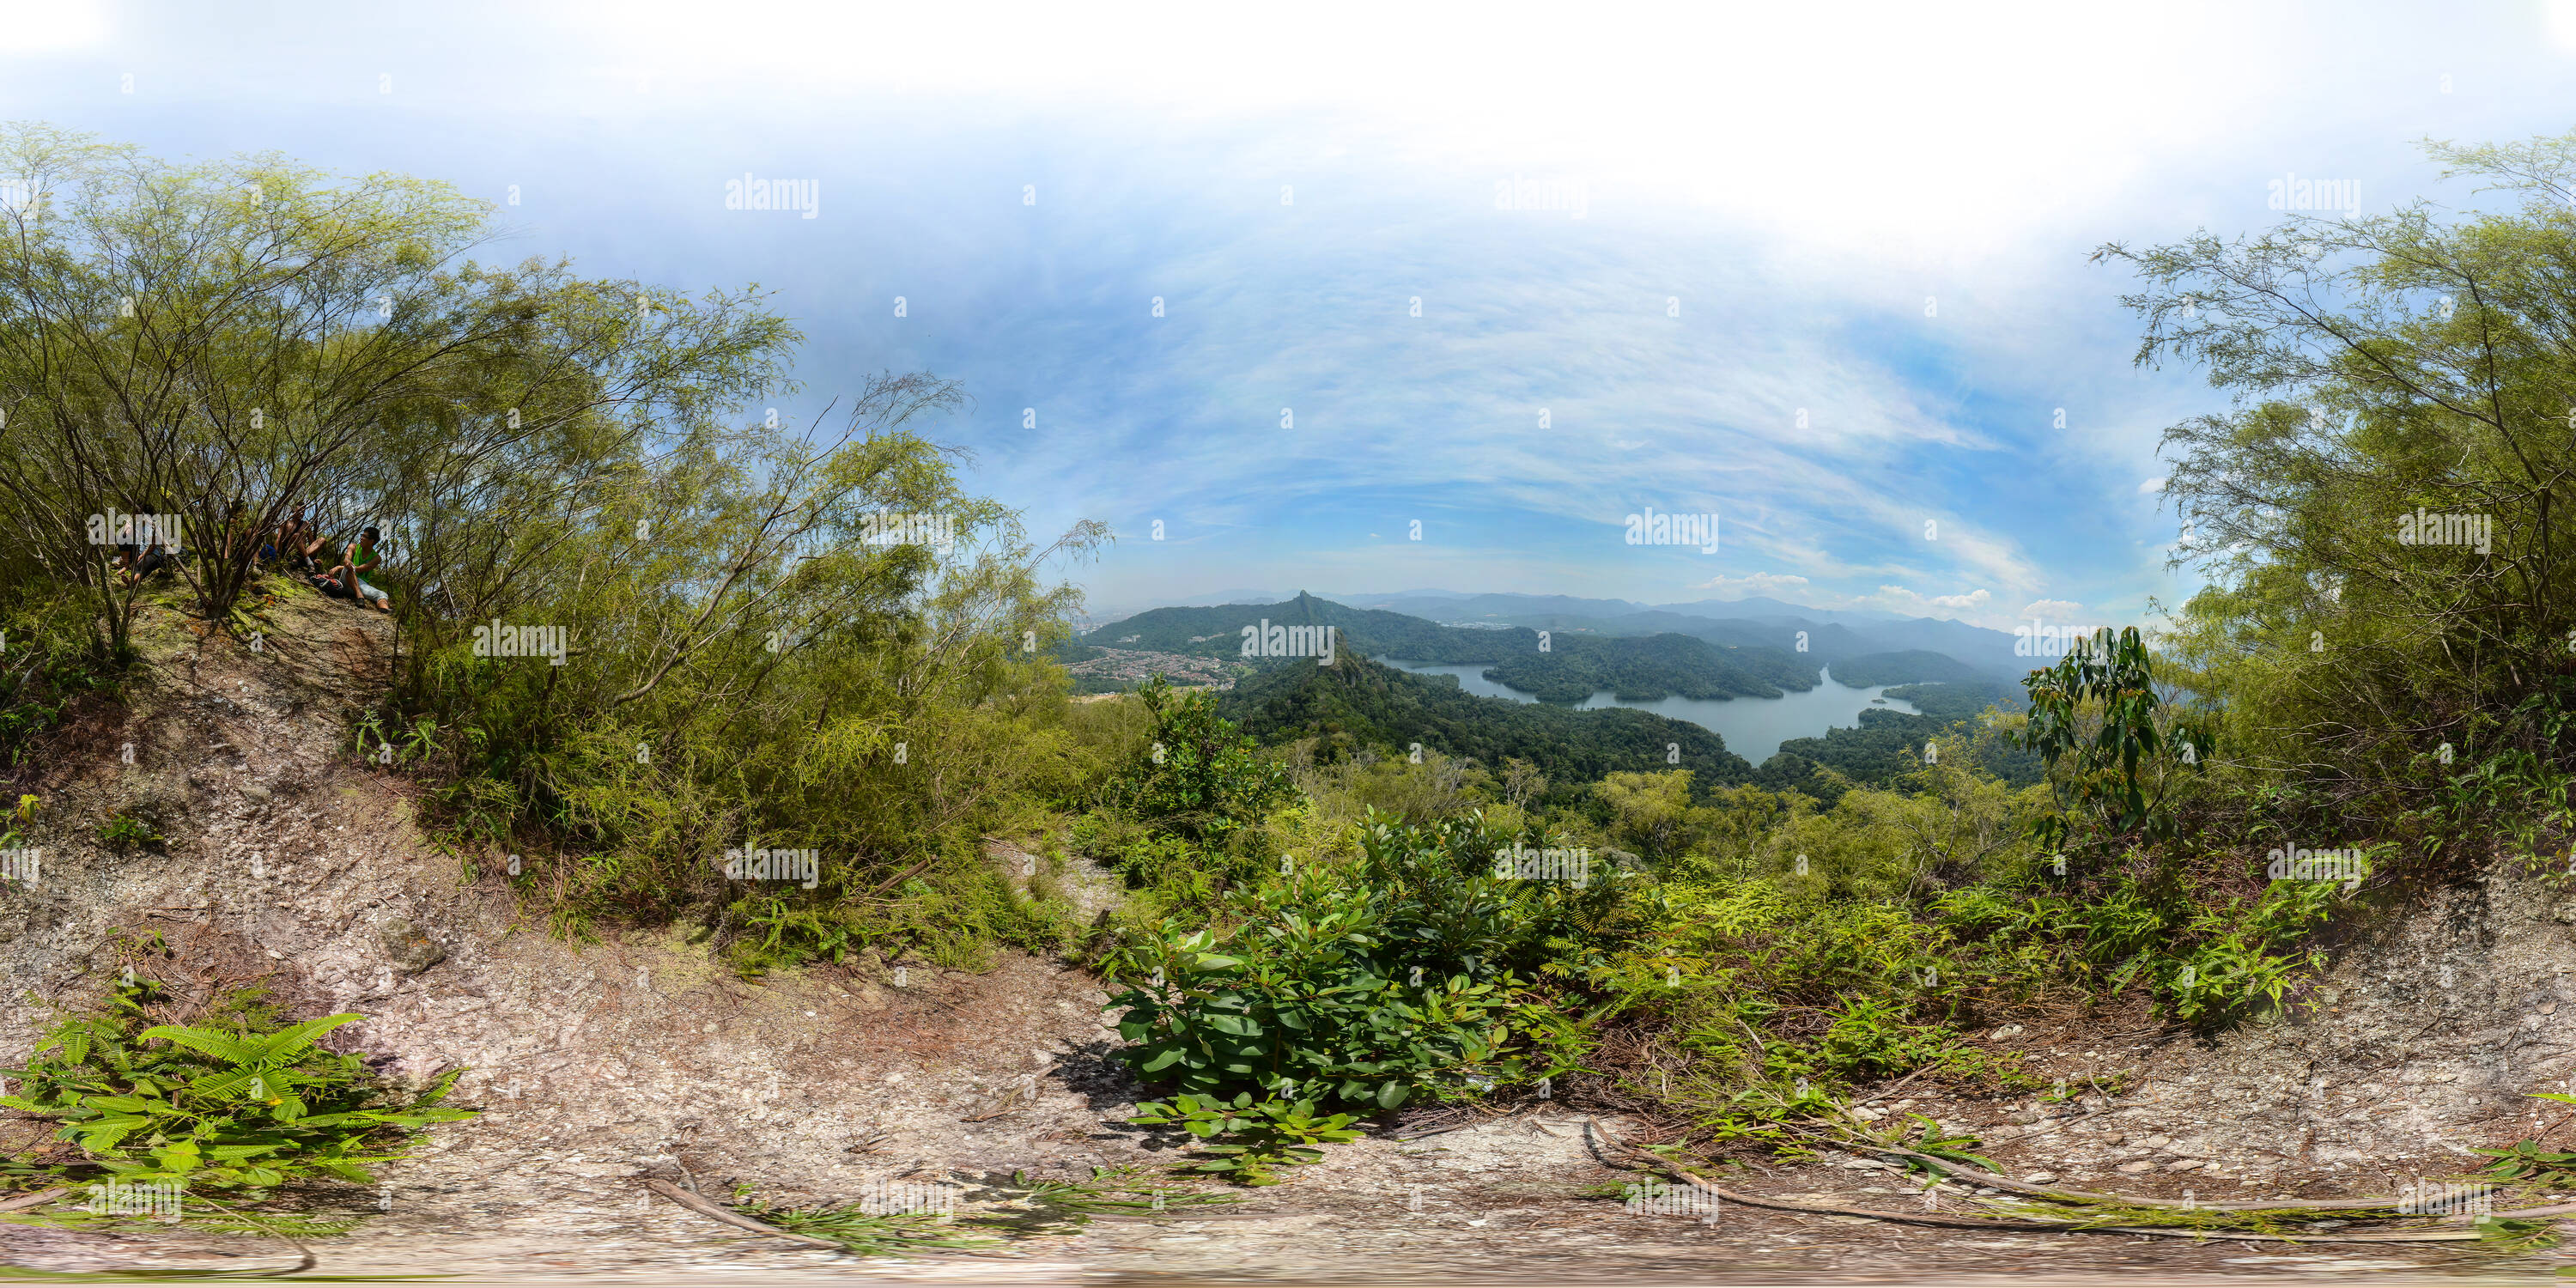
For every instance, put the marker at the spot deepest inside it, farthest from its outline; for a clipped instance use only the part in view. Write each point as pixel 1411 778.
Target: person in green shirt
pixel 361 559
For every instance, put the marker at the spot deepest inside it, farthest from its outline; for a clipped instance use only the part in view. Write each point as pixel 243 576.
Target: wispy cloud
pixel 1759 583
pixel 1830 326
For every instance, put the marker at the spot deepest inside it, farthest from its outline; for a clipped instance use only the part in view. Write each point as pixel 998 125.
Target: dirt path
pixel 599 1066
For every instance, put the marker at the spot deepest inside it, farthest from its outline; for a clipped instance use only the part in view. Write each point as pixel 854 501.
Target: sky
pixel 1367 298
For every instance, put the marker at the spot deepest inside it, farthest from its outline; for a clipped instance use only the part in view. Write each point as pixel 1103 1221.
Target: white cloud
pixel 2562 23
pixel 2156 484
pixel 1634 95
pixel 2051 609
pixel 1756 583
pixel 1900 597
pixel 47 26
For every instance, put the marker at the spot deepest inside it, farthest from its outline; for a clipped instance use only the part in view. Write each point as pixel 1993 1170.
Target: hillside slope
pixel 295 865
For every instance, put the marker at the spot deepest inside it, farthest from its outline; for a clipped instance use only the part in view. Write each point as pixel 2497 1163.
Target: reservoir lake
pixel 1753 728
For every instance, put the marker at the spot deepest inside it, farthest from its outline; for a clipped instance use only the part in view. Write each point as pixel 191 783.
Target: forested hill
pixel 1357 703
pixel 1644 669
pixel 1912 666
pixel 1888 744
pixel 1556 666
pixel 1218 632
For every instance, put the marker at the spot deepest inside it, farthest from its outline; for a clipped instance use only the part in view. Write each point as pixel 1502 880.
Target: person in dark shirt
pixel 136 562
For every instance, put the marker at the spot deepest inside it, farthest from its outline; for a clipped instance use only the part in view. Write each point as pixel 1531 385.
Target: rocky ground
pixel 600 1065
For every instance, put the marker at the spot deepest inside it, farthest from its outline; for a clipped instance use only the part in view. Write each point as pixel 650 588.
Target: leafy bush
pixel 1366 983
pixel 2112 762
pixel 1171 872
pixel 48 663
pixel 249 1107
pixel 2240 959
pixel 1198 774
pixel 1259 1135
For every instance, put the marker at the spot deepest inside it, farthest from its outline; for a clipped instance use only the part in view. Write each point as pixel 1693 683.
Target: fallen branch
pixel 730 1217
pixel 890 882
pixel 308 1261
pixel 37 1199
pixel 1995 1181
pixel 2000 1182
pixel 1899 1086
pixel 2068 1225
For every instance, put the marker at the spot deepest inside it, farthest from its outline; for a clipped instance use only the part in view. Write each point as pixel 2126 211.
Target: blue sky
pixel 1878 216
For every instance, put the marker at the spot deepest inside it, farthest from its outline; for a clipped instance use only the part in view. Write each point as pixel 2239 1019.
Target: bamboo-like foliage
pixel 2387 370
pixel 761 633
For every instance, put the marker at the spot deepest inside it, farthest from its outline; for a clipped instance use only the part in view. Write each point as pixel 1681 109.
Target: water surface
pixel 1753 728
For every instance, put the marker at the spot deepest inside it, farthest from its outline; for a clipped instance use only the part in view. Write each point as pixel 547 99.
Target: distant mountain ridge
pixel 1509 604
pixel 1558 660
pixel 1756 622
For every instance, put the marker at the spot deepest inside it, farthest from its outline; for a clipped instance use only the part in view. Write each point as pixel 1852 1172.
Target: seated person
pixel 235 536
pixel 361 559
pixel 282 538
pixel 136 562
pixel 312 540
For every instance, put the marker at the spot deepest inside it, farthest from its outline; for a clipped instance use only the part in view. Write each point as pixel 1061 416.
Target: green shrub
pixel 2242 958
pixel 2113 763
pixel 1258 1136
pixel 49 663
pixel 245 1107
pixel 1366 983
pixel 1197 774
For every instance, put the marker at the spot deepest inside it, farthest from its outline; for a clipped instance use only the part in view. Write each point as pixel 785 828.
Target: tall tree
pixel 2380 513
pixel 222 342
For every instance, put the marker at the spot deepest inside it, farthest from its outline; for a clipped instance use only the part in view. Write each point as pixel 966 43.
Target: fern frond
pixel 296 1037
pixel 222 1084
pixel 222 1046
